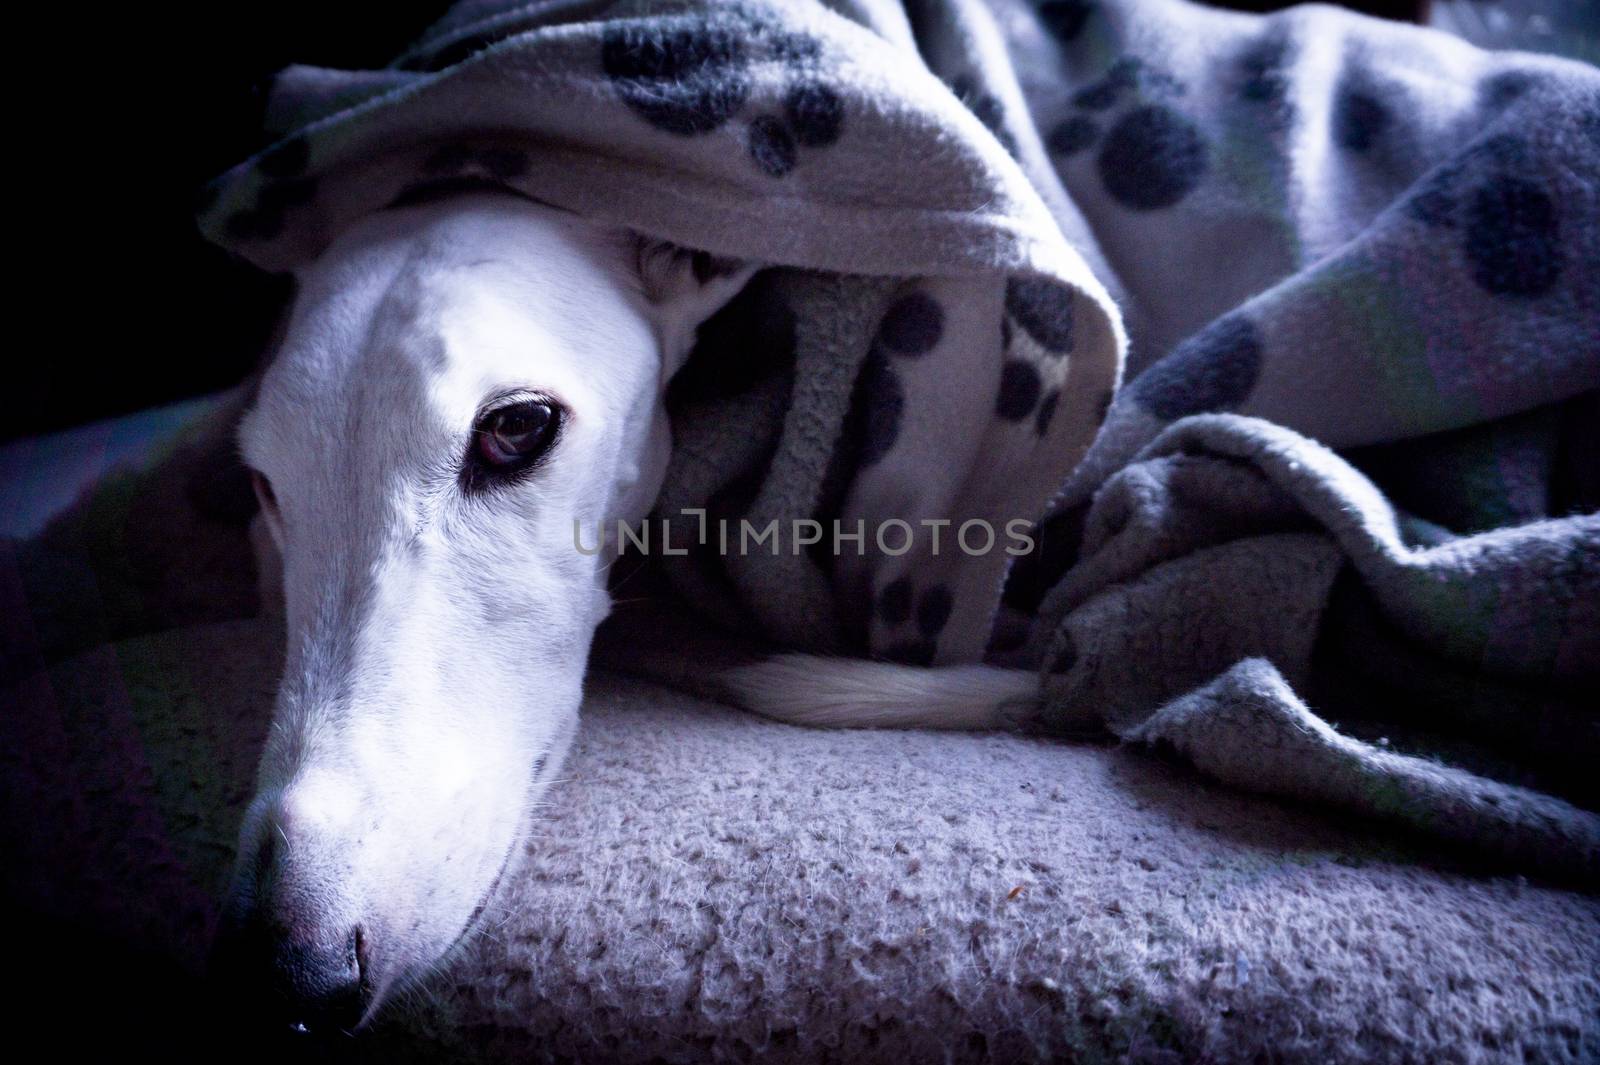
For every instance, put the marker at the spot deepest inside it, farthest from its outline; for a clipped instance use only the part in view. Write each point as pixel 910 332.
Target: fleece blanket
pixel 1347 268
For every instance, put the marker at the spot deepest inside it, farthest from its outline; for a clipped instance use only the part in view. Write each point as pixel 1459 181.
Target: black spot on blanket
pixel 879 402
pixel 1044 310
pixel 912 325
pixel 1122 76
pixel 1436 199
pixel 1019 390
pixel 1073 135
pixel 685 78
pixel 933 610
pixel 987 108
pixel 796 49
pixel 1505 88
pixel 894 602
pixel 772 146
pixel 815 113
pixel 1152 158
pixel 870 428
pixel 1513 237
pixel 1047 412
pixel 1213 370
pixel 1065 19
pixel 1261 77
pixel 1097 97
pixel 1359 119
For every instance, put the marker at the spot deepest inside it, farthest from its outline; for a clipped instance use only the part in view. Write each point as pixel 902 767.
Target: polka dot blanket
pixel 1217 366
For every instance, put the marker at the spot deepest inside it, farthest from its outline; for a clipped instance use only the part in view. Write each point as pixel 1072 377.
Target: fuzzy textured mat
pixel 712 886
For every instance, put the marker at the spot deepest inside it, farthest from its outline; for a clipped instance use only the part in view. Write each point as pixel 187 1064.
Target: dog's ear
pixel 686 287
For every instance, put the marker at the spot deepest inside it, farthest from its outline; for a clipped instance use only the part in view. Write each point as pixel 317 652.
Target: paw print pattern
pixel 1509 224
pixel 1359 118
pixel 1020 389
pixel 1260 70
pixel 682 75
pixel 1073 135
pixel 1214 370
pixel 899 604
pixel 986 107
pixel 691 75
pixel 1043 312
pixel 910 328
pixel 1502 90
pixel 1150 156
pixel 1065 19
pixel 813 112
pixel 1123 75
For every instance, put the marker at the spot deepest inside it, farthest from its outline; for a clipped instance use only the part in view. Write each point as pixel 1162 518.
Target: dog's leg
pixel 849 693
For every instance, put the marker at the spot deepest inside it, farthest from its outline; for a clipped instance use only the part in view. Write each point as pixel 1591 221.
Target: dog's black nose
pixel 291 982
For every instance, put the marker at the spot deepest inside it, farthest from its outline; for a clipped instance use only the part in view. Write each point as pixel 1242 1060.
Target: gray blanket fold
pixel 1190 596
pixel 1347 267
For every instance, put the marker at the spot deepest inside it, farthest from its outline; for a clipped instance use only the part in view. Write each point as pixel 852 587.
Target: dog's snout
pixel 283 954
pixel 294 979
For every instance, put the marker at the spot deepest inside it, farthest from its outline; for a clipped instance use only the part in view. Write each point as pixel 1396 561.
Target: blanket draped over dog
pixel 1349 269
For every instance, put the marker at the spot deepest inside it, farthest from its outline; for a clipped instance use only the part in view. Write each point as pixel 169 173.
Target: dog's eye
pixel 511 438
pixel 514 434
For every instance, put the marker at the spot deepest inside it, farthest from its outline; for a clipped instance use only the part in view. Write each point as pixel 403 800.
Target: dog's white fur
pixel 437 641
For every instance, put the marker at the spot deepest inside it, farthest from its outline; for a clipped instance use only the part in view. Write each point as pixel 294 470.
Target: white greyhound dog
pixel 461 381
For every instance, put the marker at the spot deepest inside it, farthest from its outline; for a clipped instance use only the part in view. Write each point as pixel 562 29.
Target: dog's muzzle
pixel 285 970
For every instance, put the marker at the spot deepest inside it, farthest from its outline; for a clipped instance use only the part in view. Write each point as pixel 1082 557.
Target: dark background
pixel 134 309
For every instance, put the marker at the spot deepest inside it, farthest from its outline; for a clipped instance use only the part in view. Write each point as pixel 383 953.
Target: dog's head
pixel 461 384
